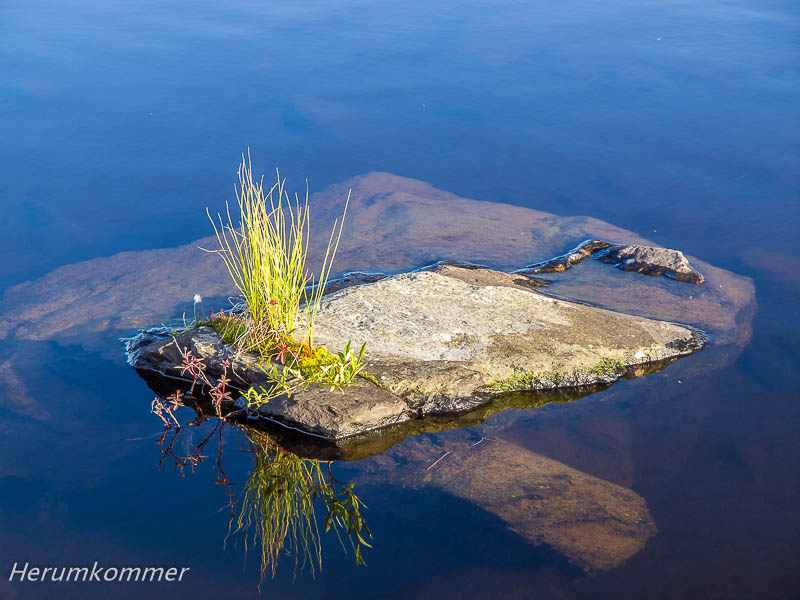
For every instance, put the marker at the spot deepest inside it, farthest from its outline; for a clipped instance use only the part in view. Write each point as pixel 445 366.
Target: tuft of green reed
pixel 265 249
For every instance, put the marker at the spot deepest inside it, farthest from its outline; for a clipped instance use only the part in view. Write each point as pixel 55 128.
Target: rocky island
pixel 442 340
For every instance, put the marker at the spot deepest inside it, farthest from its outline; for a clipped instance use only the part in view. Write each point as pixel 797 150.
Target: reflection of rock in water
pixel 594 523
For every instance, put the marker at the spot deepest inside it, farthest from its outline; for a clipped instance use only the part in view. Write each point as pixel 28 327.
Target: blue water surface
pixel 121 121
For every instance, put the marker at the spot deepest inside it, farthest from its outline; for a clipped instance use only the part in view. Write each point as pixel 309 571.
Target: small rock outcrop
pixel 441 341
pixel 648 260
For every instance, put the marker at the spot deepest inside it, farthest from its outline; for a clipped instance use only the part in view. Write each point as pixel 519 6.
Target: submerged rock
pixel 648 260
pixel 352 278
pixel 402 223
pixel 441 341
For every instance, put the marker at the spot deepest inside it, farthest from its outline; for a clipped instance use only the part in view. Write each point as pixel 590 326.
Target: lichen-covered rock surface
pixel 440 341
pixel 444 338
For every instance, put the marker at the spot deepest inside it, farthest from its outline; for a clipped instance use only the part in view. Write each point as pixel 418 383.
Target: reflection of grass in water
pixel 279 502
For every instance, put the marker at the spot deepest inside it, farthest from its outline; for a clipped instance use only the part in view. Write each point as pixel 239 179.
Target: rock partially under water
pixel 402 223
pixel 648 260
pixel 441 341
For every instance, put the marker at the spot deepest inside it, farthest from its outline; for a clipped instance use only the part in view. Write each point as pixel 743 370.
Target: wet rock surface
pixel 442 341
pixel 562 262
pixel 648 260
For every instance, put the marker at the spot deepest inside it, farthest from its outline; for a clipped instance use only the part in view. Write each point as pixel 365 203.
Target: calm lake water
pixel 120 122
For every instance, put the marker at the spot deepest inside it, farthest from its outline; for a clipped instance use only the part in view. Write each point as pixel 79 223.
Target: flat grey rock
pixel 443 340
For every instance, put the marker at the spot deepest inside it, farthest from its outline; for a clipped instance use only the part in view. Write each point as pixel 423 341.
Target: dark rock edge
pixel 320 412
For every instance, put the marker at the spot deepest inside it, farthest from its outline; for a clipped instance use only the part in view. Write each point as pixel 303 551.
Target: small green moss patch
pixel 611 366
pixel 608 368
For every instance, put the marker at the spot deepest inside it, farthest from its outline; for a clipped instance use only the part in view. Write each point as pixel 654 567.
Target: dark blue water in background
pixel 121 121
